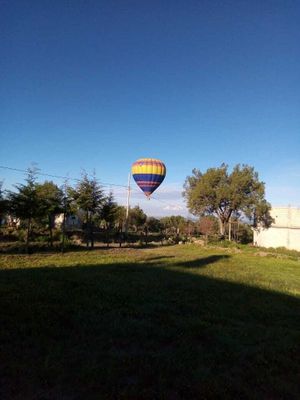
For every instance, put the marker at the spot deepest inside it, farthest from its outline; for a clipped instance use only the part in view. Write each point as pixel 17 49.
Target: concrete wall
pixel 285 232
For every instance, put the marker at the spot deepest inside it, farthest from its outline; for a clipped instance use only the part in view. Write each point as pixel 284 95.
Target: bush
pixel 245 234
pixel 9 234
pixel 21 235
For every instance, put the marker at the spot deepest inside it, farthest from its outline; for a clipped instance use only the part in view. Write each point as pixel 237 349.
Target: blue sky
pixel 98 84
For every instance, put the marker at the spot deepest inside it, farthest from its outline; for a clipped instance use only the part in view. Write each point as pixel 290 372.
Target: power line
pixel 107 184
pixel 66 177
pixel 59 176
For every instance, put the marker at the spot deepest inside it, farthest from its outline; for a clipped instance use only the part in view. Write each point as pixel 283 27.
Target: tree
pixel 88 196
pixel 120 216
pixel 120 222
pixel 174 225
pixel 50 198
pixel 108 214
pixel 220 193
pixel 3 204
pixel 24 204
pixel 137 218
pixel 68 208
pixel 153 225
pixel 208 225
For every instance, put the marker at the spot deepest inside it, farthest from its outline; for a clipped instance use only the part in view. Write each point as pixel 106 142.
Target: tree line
pixel 221 201
pixel 34 207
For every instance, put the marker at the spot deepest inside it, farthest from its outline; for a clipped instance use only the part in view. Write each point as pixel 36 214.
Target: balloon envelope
pixel 148 174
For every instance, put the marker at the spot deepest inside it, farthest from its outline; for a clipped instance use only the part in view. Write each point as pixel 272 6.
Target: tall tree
pixel 3 204
pixel 137 218
pixel 88 197
pixel 51 204
pixel 154 224
pixel 175 224
pixel 120 217
pixel 220 193
pixel 24 203
pixel 108 215
pixel 68 208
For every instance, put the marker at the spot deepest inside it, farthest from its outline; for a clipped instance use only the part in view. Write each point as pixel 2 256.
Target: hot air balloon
pixel 148 174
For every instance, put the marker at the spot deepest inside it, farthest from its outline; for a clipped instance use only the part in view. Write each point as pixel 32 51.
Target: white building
pixel 284 232
pixel 72 221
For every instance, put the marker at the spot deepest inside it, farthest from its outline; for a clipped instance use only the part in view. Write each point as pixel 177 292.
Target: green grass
pixel 179 322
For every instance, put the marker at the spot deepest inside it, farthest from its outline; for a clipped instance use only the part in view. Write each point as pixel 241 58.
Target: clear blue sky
pixel 98 84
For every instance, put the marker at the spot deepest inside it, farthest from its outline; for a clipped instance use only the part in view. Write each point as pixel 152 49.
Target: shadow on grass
pixel 132 331
pixel 42 248
pixel 159 258
pixel 203 261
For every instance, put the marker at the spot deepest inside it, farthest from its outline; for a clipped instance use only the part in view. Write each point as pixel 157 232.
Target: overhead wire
pixel 59 176
pixel 67 178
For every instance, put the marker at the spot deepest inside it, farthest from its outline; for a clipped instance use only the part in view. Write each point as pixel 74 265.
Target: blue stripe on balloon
pixel 148 182
pixel 147 188
pixel 148 177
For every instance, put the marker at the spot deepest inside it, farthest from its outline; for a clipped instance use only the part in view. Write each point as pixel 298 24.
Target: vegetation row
pixel 225 205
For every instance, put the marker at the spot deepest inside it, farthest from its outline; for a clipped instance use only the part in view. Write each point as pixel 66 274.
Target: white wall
pixel 285 232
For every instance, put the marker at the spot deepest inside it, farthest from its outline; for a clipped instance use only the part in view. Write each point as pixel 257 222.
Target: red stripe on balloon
pixel 142 163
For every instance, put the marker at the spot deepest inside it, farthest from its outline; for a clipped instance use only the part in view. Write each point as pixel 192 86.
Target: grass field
pixel 178 322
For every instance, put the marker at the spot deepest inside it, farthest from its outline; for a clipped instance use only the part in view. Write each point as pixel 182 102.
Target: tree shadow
pixel 134 331
pixel 203 261
pixel 42 248
pixel 159 258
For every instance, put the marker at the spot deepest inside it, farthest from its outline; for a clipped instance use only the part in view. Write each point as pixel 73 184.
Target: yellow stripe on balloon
pixel 148 166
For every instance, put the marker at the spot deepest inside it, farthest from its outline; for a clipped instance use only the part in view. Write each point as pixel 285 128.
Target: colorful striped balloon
pixel 148 174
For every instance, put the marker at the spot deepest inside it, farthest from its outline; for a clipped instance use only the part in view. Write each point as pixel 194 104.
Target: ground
pixel 174 322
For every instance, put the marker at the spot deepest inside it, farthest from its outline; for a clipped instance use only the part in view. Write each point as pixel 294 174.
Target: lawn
pixel 178 322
